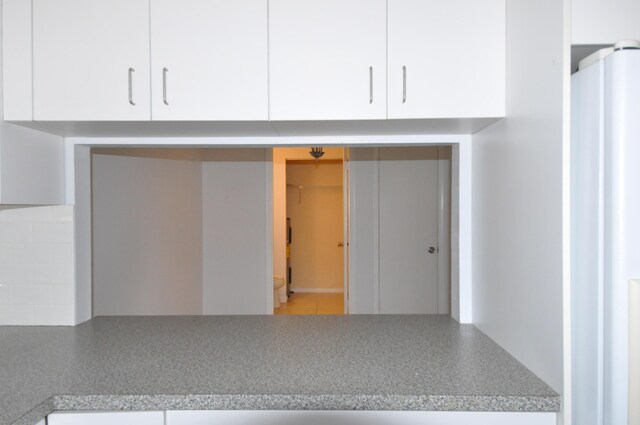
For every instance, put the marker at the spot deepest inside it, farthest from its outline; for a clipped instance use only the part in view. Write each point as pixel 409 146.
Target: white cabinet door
pixel 350 417
pixel 327 59
pixel 106 418
pixel 91 60
pixel 17 81
pixel 446 58
pixel 209 60
pixel 408 205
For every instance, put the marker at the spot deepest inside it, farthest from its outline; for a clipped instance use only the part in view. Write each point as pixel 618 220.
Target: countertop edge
pixel 36 414
pixel 77 402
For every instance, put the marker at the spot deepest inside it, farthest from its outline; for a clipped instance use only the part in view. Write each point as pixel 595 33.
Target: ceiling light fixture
pixel 316 152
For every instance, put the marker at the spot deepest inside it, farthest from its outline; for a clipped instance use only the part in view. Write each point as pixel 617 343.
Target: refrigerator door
pixel 587 180
pixel 621 222
pixel 605 229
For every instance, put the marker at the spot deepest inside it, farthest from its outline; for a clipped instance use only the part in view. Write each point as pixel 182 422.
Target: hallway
pixel 306 303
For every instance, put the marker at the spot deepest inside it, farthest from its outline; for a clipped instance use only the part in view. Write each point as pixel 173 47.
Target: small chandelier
pixel 316 152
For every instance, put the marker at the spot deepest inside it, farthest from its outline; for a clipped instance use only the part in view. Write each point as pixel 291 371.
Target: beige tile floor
pixel 312 304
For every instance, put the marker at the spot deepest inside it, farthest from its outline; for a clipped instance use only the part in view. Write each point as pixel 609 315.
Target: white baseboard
pixel 318 290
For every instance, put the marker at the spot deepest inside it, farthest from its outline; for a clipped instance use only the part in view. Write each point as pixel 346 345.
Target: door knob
pixel 433 250
pixel 340 244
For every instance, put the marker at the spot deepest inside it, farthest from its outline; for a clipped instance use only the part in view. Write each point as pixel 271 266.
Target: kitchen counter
pixel 261 362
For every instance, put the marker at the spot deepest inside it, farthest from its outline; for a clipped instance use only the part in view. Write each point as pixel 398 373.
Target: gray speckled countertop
pixel 261 362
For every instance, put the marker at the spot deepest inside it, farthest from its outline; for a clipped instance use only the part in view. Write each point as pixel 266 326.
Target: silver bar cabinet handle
pixel 164 86
pixel 370 85
pixel 131 71
pixel 404 84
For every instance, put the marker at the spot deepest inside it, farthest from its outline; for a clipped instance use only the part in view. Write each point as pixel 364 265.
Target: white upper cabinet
pixel 106 418
pixel 253 60
pixel 91 60
pixel 17 81
pixel 209 60
pixel 446 58
pixel 327 59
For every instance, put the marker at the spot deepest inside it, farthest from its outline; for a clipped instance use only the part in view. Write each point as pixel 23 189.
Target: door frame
pixel 280 163
pixel 461 189
pixel 346 211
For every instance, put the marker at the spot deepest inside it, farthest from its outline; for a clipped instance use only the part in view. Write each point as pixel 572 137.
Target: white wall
pixel 518 197
pixel 188 226
pixel 317 216
pixel 147 249
pixel 363 250
pixel 31 166
pixel 82 223
pixel 36 266
pixel 604 21
pixel 236 228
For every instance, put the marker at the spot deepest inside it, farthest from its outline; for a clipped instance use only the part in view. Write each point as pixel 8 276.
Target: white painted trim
pixel 462 142
pixel 465 226
pixel 444 231
pixel 346 221
pixel 318 290
pixel 362 141
pixel 376 230
pixel 269 231
pixel 352 211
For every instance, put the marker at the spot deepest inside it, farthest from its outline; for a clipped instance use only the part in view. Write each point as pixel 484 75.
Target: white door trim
pixel 346 212
pixel 444 230
pixel 461 285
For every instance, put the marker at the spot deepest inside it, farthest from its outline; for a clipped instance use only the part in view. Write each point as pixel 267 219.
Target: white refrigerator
pixel 605 235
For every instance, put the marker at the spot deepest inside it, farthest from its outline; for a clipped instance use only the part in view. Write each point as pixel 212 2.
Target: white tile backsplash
pixel 31 294
pixel 49 253
pixel 16 314
pixel 17 254
pixel 53 232
pixel 17 274
pixel 5 294
pixel 53 314
pixel 15 232
pixel 62 273
pixel 37 266
pixel 63 295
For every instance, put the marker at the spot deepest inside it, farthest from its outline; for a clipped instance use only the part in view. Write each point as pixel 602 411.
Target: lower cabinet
pixel 351 417
pixel 106 418
pixel 298 417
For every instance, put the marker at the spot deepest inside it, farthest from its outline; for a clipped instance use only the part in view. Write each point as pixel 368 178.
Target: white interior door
pixel 327 59
pixel 408 227
pixel 209 59
pixel 91 60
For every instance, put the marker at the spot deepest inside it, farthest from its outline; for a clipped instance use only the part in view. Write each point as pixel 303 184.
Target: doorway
pixel 230 247
pixel 312 208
